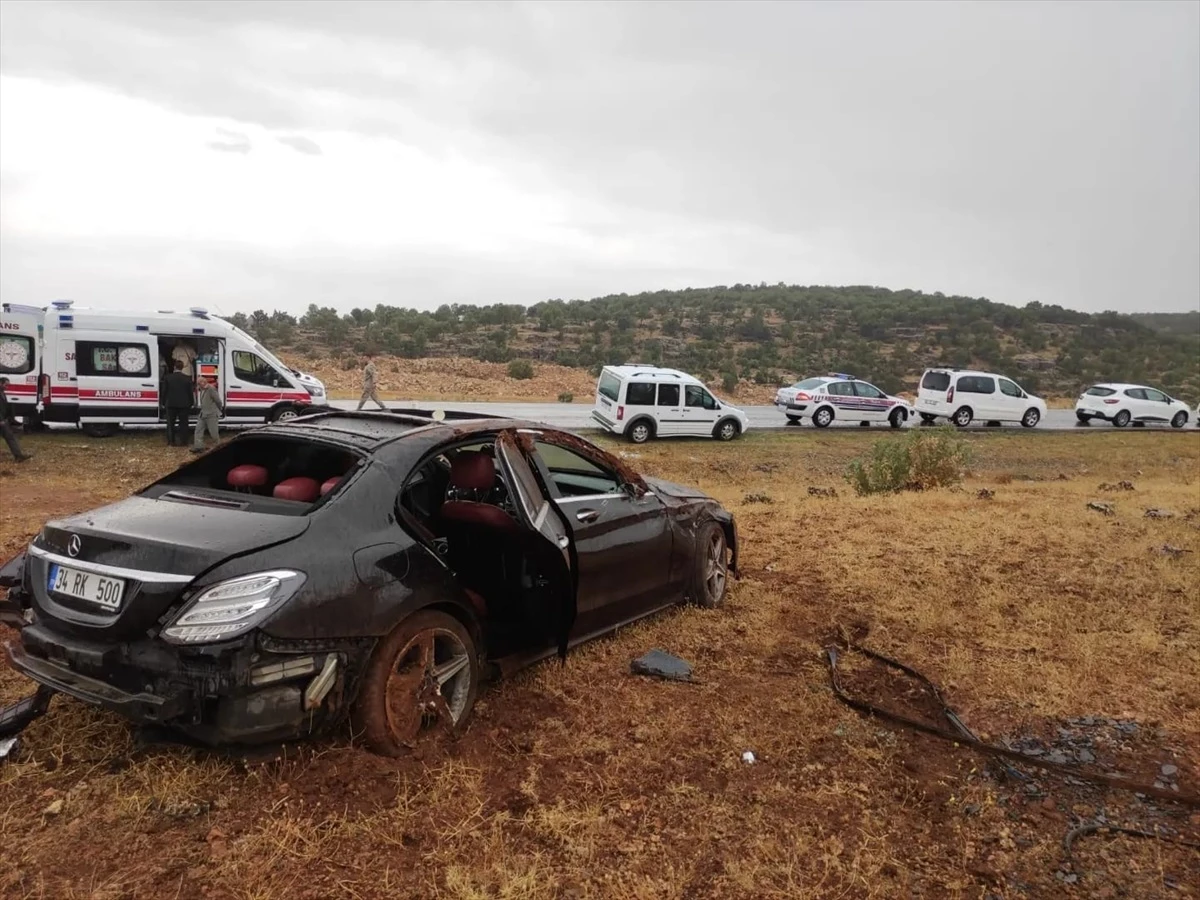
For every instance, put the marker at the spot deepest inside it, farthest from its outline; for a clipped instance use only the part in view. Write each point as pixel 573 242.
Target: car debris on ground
pixel 660 664
pixel 1106 509
pixel 1159 514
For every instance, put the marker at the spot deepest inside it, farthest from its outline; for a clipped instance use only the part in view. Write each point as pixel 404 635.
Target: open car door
pixel 539 515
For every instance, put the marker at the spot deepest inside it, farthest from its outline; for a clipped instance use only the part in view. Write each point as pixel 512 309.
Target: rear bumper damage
pixel 240 693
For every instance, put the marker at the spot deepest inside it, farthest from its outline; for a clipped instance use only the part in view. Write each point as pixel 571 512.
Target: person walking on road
pixel 179 393
pixel 6 425
pixel 210 414
pixel 368 384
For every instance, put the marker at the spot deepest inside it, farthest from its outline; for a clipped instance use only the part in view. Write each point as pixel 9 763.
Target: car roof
pixel 635 371
pixel 1120 385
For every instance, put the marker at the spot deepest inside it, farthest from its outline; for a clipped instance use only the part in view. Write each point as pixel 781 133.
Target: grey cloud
pixel 301 144
pixel 1046 151
pixel 232 142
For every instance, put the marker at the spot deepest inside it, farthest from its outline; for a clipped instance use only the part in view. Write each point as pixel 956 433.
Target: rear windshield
pixel 1098 391
pixel 808 384
pixel 250 474
pixel 610 386
pixel 935 381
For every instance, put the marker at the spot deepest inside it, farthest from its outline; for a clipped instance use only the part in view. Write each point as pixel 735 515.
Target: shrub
pixel 521 369
pixel 923 459
pixel 566 397
pixel 729 382
pixel 349 364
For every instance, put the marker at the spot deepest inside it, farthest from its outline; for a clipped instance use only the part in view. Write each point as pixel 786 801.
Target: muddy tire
pixel 710 567
pixel 1121 419
pixel 424 676
pixel 962 416
pixel 823 417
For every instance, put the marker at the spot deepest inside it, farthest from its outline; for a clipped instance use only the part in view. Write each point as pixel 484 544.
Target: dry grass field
pixel 1027 608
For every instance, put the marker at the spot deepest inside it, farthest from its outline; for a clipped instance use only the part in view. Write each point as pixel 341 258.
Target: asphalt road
pixel 576 416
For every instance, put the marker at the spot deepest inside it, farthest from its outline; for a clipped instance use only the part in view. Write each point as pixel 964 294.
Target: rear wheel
pixel 1031 418
pixel 928 419
pixel 641 431
pixel 710 566
pixel 100 429
pixel 793 420
pixel 897 418
pixel 1122 418
pixel 1082 419
pixel 422 677
pixel 823 417
pixel 962 416
pixel 1179 420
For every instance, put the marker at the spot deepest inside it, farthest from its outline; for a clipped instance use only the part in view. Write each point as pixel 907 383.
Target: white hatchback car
pixel 962 395
pixel 1122 404
pixel 839 396
pixel 642 402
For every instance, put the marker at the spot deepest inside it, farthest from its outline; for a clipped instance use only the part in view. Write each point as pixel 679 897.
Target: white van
pixel 103 368
pixel 642 402
pixel 19 345
pixel 962 395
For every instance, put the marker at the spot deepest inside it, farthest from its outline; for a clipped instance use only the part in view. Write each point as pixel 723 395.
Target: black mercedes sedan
pixel 374 567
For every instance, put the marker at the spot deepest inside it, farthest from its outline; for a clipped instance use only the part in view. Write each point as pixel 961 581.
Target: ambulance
pixel 20 340
pixel 102 369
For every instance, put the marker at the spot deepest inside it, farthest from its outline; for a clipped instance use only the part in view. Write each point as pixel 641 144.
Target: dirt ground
pixel 1045 624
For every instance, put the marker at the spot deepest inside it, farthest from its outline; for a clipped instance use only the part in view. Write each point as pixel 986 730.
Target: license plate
pixel 98 589
pixel 929 402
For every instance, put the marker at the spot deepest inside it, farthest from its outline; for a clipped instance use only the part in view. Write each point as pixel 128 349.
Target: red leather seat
pixel 247 476
pixel 330 484
pixel 306 490
pixel 474 471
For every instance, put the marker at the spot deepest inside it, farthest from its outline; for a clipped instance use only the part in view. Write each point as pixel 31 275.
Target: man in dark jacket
pixel 6 428
pixel 178 391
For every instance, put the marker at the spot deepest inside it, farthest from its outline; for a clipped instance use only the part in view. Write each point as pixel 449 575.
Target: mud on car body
pixel 370 566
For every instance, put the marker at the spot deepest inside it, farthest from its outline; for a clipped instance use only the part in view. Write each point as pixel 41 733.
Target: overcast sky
pixel 274 154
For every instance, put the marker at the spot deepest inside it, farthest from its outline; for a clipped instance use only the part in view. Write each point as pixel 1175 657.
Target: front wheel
pixel 823 417
pixel 710 566
pixel 962 417
pixel 1031 418
pixel 1122 418
pixel 1179 420
pixel 897 418
pixel 423 676
pixel 283 414
pixel 727 430
pixel 100 429
pixel 928 418
pixel 793 420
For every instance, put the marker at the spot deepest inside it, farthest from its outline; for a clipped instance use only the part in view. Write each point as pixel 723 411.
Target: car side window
pixel 253 368
pixel 840 388
pixel 573 473
pixel 639 393
pixel 1009 388
pixel 1135 393
pixel 668 395
pixel 1156 396
pixel 976 384
pixel 867 390
pixel 696 396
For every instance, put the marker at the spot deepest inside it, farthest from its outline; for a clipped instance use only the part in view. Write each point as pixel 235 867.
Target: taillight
pixel 620 413
pixel 950 394
pixel 1111 400
pixel 803 396
pixel 44 387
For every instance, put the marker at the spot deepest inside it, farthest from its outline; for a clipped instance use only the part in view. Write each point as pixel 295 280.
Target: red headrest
pixel 247 476
pixel 473 471
pixel 329 484
pixel 305 490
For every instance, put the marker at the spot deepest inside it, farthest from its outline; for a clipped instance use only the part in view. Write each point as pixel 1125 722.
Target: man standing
pixel 178 392
pixel 6 427
pixel 186 354
pixel 210 414
pixel 368 389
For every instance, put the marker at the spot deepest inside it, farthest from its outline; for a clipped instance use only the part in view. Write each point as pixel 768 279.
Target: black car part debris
pixel 1105 828
pixel 658 664
pixel 16 717
pixel 962 735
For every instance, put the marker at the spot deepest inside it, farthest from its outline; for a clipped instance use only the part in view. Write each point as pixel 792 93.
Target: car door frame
pixel 1135 404
pixel 701 422
pixel 1157 410
pixel 669 418
pixel 656 584
pixel 1014 404
pixel 116 397
pixel 872 408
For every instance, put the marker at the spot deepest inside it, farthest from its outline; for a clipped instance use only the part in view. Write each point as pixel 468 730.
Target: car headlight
pixel 230 608
pixel 315 390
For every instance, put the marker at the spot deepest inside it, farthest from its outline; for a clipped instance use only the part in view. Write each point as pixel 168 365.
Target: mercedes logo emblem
pixel 73 546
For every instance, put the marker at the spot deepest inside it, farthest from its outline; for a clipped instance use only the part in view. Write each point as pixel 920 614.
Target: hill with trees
pixel 771 334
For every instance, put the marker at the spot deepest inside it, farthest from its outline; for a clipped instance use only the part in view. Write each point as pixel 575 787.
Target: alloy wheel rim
pixel 715 571
pixel 429 685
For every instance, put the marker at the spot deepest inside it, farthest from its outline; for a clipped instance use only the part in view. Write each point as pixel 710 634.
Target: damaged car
pixel 370 567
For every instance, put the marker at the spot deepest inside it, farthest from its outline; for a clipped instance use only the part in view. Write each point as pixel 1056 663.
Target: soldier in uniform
pixel 368 386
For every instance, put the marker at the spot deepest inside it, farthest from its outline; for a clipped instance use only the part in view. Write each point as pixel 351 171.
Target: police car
pixel 839 396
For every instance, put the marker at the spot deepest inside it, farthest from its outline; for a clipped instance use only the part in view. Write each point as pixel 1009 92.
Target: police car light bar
pixel 841 375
